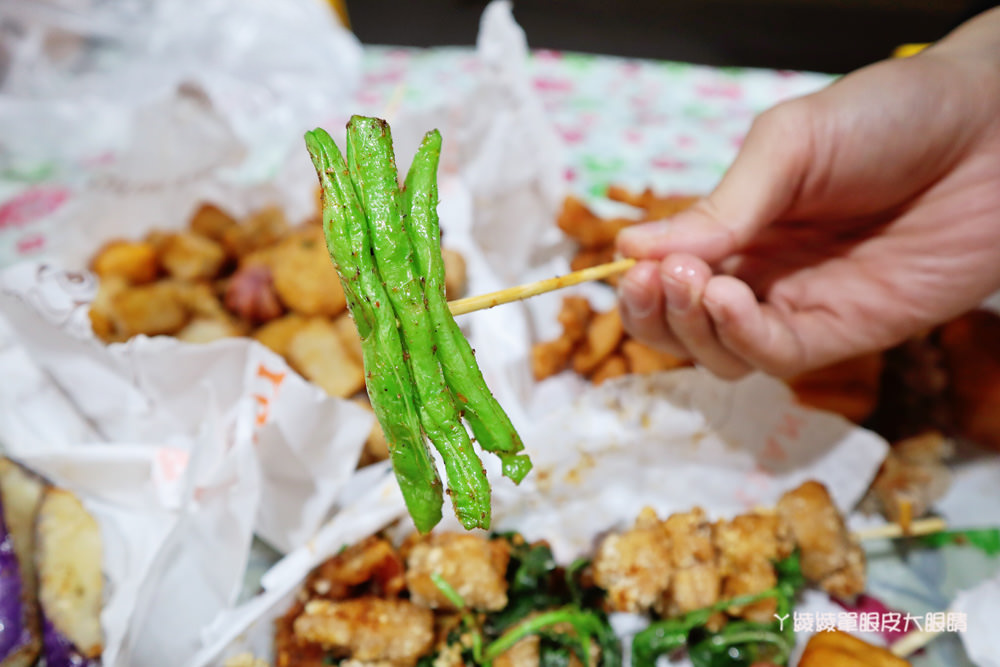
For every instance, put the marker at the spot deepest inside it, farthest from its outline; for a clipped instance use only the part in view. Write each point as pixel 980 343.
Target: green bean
pixel 373 169
pixel 388 378
pixel 490 424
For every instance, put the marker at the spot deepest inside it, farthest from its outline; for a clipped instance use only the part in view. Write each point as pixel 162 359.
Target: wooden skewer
pixel 469 304
pixel 890 530
pixel 912 642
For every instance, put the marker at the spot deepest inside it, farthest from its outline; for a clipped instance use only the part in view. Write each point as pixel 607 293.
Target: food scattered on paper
pixel 708 587
pixel 51 576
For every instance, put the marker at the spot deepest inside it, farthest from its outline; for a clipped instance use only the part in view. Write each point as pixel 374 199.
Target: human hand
pixel 850 220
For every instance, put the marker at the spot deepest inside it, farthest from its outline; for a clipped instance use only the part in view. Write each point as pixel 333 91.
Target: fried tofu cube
pixel 603 335
pixel 153 310
pixel 369 629
pixel 317 352
pixel 474 566
pixel 211 222
pixel 278 333
pixel 190 256
pixel 839 649
pixel 133 261
pixel 305 278
pixel 455 280
pixel 634 567
pixel 202 330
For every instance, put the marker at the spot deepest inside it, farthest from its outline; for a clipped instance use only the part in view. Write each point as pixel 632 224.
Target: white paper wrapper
pixel 980 606
pixel 208 445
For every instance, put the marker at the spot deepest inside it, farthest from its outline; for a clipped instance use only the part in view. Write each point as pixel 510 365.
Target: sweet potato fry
pixel 602 338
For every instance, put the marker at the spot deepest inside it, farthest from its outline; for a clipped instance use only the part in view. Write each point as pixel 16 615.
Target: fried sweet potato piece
pixel 261 229
pixel 475 567
pixel 586 228
pixel 190 256
pixel 550 357
pixel 305 278
pixel 849 388
pixel 153 309
pixel 211 222
pixel 605 332
pixel 839 649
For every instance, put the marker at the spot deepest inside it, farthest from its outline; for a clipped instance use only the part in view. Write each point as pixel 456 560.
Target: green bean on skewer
pixel 388 378
pixel 372 164
pixel 490 424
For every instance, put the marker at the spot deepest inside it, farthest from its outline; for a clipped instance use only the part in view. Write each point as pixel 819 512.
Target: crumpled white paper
pixel 980 606
pixel 182 440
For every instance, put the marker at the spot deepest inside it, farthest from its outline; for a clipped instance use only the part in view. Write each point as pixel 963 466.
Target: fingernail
pixel 636 298
pixel 680 294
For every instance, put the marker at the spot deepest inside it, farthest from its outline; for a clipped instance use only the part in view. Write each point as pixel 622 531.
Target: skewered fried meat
pixel 684 563
pixel 913 476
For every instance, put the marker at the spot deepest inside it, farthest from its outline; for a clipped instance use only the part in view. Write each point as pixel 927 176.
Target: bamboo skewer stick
pixel 469 304
pixel 891 530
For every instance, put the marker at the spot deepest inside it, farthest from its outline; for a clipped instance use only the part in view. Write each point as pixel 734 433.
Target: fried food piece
pixel 251 295
pixel 133 261
pixel 849 388
pixel 550 357
pixel 634 567
pixel 829 557
pixel 603 335
pixel 696 580
pixel 190 256
pixel 278 333
pixel 839 649
pixel 289 651
pixel 455 278
pixel 202 330
pixel 211 222
pixel 913 473
pixel 642 359
pixel 349 336
pixel 574 316
pixel 527 653
pixel 368 629
pixel 305 278
pixel 153 310
pixel 372 563
pixel 475 567
pixel 586 228
pixel 748 546
pixel 612 367
pixel 972 359
pixel 318 354
pixel 589 257
pixel 102 309
pixel 262 229
pixel 200 300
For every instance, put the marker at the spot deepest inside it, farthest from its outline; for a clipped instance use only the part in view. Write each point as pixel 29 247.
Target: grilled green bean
pixel 490 424
pixel 372 164
pixel 388 377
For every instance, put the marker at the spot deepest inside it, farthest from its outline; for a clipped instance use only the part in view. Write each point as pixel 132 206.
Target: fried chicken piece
pixel 211 222
pixel 634 567
pixel 289 651
pixel 913 473
pixel 304 276
pixel 526 652
pixel 828 555
pixel 748 546
pixel 603 335
pixel 372 563
pixel 574 316
pixel 696 580
pixel 133 261
pixel 317 352
pixel 368 629
pixel 474 566
pixel 190 256
pixel 550 357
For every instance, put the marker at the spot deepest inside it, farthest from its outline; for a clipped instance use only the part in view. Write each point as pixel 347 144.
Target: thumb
pixel 762 183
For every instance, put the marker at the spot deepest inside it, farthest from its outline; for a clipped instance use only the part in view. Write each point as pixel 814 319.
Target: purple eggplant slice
pixel 70 581
pixel 20 623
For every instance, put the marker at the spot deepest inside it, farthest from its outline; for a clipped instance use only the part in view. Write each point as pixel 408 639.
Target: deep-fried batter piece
pixel 289 651
pixel 839 649
pixel 475 567
pixel 828 555
pixel 152 309
pixel 634 566
pixel 190 256
pixel 134 261
pixel 263 228
pixel 913 473
pixel 644 359
pixel 368 629
pixel 574 316
pixel 212 222
pixel 317 352
pixel 372 565
pixel 305 278
pixel 202 330
pixel 586 228
pixel 605 332
pixel 696 579
pixel 748 546
pixel 613 366
pixel 455 280
pixel 278 334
